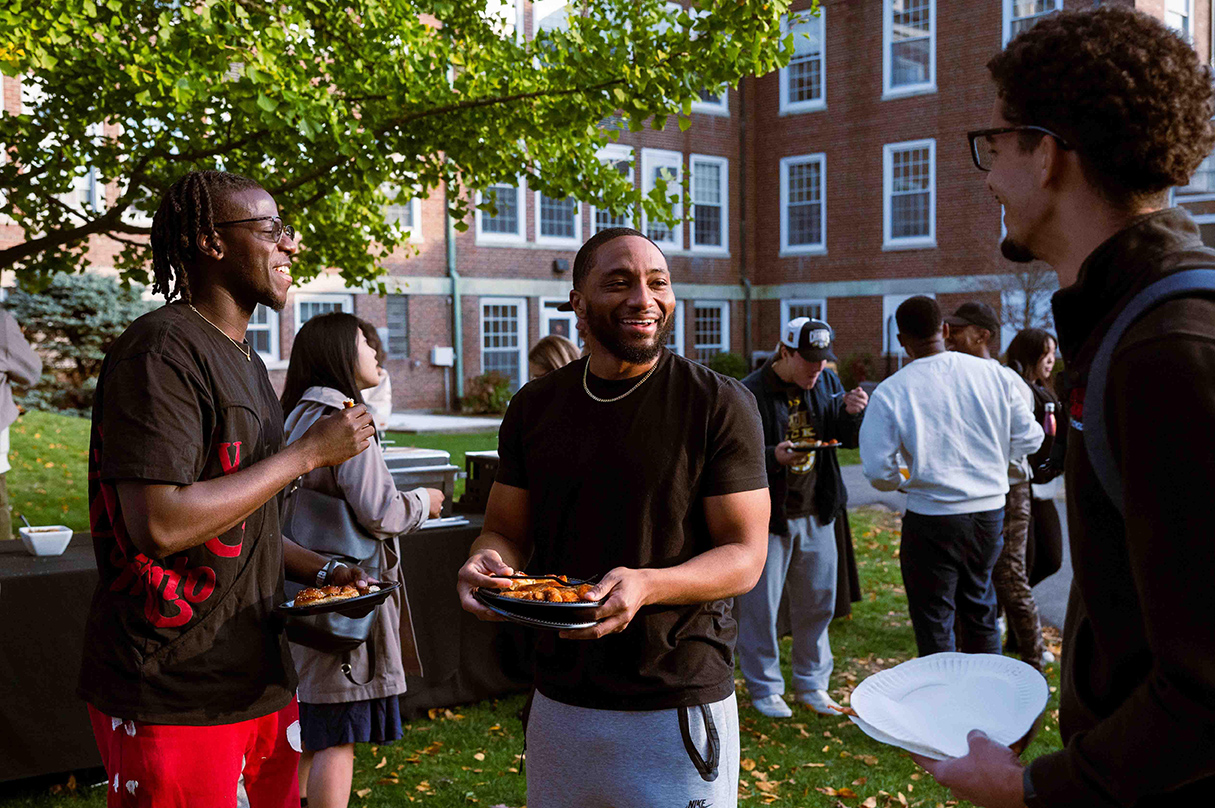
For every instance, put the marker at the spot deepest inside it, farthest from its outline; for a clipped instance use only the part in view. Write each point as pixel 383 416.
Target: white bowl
pixel 47 540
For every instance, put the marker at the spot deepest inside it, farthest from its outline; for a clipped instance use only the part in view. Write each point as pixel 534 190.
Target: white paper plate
pixel 933 702
pixel 881 737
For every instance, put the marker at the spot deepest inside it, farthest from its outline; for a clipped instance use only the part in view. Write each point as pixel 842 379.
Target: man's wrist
pixel 325 574
pixel 1029 796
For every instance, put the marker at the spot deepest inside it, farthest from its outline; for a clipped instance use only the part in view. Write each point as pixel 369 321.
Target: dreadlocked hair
pixel 185 213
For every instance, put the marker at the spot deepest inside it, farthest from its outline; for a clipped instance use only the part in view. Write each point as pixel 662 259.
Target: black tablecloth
pixel 44 727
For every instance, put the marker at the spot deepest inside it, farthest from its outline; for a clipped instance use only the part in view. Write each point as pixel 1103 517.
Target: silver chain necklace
pixel 587 369
pixel 247 351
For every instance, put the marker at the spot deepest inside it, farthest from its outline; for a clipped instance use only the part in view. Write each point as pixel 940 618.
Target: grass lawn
pixel 48 481
pixel 470 755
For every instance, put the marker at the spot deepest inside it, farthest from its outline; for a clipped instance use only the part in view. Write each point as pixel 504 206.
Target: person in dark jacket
pixel 1099 114
pixel 801 402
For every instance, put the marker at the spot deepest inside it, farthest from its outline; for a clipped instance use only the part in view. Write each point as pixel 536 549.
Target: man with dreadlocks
pixel 186 670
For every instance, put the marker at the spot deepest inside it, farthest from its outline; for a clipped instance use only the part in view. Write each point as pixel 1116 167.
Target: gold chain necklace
pixel 246 350
pixel 587 369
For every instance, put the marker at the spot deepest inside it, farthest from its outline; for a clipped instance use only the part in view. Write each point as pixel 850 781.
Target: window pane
pixel 311 308
pixel 506 199
pixel 1026 13
pixel 812 310
pixel 805 209
pixel 500 340
pixel 805 72
pixel 656 230
pixel 707 329
pixel 259 339
pixel 910 30
pixel 707 226
pixel 557 217
pixel 1203 181
pixel 398 325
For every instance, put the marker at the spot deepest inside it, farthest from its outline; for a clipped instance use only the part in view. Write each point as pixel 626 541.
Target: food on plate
pixel 556 589
pixel 327 594
pixel 821 444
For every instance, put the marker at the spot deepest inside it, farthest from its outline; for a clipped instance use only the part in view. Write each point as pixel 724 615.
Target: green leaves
pixel 315 99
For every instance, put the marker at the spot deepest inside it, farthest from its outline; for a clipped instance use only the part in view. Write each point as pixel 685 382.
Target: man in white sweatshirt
pixel 956 421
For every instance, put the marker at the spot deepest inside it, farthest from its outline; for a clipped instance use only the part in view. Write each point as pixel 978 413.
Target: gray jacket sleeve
pixel 21 363
pixel 367 486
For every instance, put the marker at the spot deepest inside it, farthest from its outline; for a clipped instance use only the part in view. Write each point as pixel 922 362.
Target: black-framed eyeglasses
pixel 276 230
pixel 980 142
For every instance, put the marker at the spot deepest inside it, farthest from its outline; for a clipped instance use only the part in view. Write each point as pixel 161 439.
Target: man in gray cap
pixel 802 403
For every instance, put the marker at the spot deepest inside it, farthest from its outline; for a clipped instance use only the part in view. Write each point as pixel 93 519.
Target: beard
pixel 603 329
pixel 1015 251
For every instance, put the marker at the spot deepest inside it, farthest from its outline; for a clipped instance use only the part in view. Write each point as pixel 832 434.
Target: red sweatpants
pixel 171 766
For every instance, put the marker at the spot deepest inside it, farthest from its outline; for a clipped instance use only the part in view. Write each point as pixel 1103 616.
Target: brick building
pixel 837 187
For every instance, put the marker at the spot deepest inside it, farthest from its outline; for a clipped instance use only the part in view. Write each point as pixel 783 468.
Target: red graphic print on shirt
pixel 230 464
pixel 170 592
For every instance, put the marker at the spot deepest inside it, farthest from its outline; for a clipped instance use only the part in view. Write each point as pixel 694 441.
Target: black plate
pixel 579 611
pixel 363 601
pixel 810 447
pixel 531 621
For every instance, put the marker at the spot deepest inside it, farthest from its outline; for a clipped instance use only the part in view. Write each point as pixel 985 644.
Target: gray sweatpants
pixel 583 758
pixel 805 562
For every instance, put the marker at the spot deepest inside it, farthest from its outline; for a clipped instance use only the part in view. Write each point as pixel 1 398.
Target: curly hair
pixel 1128 93
pixel 186 211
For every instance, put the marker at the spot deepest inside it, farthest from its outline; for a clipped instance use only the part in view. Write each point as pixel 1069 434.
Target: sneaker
pixel 1047 657
pixel 819 701
pixel 773 706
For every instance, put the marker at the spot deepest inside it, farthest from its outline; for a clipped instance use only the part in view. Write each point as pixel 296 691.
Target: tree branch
pixel 443 110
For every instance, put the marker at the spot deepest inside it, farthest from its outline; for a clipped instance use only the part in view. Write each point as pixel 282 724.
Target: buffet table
pixel 44 727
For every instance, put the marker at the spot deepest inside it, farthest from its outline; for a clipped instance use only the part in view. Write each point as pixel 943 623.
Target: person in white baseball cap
pixel 801 403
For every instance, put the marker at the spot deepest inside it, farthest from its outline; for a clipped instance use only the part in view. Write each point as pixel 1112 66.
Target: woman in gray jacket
pixel 331 361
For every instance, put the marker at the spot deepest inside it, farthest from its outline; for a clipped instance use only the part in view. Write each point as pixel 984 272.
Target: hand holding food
pixel 479 570
pixel 339 436
pixel 786 455
pixel 623 591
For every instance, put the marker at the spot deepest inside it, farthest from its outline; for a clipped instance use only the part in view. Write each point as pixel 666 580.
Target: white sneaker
pixel 819 701
pixel 1047 657
pixel 773 706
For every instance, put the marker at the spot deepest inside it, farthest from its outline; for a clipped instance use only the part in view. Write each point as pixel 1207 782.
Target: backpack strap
pixel 1096 433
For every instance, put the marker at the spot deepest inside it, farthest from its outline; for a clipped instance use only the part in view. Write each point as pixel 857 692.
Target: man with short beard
pixel 1096 115
pixel 648 469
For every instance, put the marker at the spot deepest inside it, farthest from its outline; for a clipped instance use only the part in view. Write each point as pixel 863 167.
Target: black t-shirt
pixel 192 638
pixel 801 478
pixel 621 484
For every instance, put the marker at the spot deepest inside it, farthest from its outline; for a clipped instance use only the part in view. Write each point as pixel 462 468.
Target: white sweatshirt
pixel 956 421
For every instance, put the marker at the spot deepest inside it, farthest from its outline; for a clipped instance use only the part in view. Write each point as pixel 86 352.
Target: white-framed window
pixel 909 209
pixel 909 47
pixel 506 224
pixel 310 304
pixel 656 163
pixel 803 204
pixel 711 103
pixel 504 338
pixel 803 84
pixel 560 323
pixel 1177 17
pixel 558 221
pixel 262 332
pixel 710 203
pixel 814 308
pixel 406 214
pixel 1202 184
pixel 710 329
pixel 1021 15
pixel 890 328
pixel 621 158
pixel 675 339
pixel 396 345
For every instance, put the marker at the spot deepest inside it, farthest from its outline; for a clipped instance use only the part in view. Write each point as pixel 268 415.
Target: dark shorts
pixel 370 721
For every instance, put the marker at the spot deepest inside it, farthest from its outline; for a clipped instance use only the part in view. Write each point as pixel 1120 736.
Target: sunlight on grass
pixel 470 755
pixel 48 481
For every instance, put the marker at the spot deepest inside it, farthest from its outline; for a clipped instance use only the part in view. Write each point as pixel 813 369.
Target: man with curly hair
pixel 1098 114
